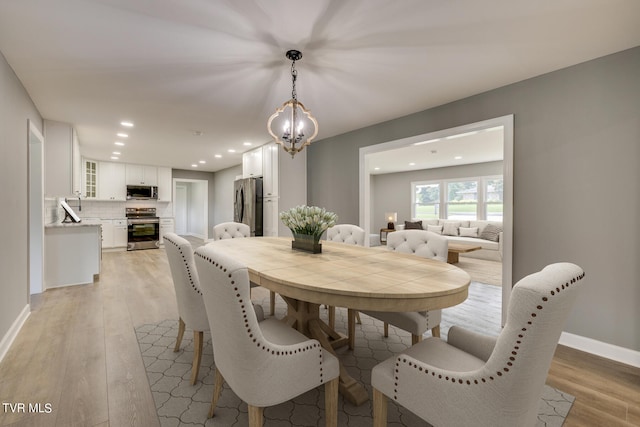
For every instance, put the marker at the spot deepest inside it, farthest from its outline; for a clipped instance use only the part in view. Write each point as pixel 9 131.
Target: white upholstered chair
pixel 428 245
pixel 349 234
pixel 188 295
pixel 238 230
pixel 264 363
pixel 474 379
pixel 231 230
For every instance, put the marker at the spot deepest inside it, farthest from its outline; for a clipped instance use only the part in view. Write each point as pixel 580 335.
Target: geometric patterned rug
pixel 178 403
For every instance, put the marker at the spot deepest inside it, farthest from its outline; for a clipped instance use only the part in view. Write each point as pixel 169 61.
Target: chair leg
pixel 331 402
pixel 358 321
pixel 351 328
pixel 435 331
pixel 379 409
pixel 198 337
pixel 272 303
pixel 255 416
pixel 181 327
pixel 415 339
pixel 386 329
pixel 217 390
pixel 332 317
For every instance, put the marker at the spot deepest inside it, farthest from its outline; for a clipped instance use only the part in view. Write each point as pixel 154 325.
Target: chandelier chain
pixel 294 77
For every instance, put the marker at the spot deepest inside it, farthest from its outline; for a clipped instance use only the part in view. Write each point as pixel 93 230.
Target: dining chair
pixel 428 245
pixel 188 295
pixel 349 234
pixel 265 363
pixel 473 379
pixel 235 230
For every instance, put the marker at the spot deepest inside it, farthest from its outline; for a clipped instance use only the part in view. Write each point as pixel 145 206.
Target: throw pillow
pixel 469 232
pixel 491 232
pixel 413 225
pixel 451 228
pixel 435 229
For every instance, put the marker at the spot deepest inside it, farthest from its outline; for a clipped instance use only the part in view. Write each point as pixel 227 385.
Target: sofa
pixel 487 234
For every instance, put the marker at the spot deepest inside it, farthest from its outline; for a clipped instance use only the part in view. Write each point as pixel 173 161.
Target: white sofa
pixel 468 232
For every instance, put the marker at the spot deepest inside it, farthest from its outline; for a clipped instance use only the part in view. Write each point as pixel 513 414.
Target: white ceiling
pixel 218 67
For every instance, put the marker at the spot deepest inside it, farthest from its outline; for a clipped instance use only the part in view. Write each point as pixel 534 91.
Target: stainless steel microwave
pixel 142 192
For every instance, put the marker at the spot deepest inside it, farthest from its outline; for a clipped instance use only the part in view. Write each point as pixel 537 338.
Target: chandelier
pixel 293 118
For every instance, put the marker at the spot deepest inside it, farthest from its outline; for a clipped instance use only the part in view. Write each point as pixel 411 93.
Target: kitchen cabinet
pixel 165 184
pixel 167 225
pixel 90 179
pixel 252 163
pixel 111 181
pixel 119 233
pixel 72 254
pixel 270 216
pixel 62 161
pixel 270 173
pixel 107 233
pixel 141 175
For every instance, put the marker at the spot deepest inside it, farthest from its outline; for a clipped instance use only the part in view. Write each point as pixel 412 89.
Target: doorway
pixel 191 207
pixel 506 123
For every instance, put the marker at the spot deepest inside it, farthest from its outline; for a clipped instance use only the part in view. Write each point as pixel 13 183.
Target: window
pixel 426 201
pixel 462 200
pixel 493 199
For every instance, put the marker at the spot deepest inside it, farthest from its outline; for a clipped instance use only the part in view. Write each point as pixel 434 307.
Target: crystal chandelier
pixel 293 118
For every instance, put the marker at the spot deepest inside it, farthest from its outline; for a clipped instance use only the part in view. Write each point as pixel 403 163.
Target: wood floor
pixel 78 352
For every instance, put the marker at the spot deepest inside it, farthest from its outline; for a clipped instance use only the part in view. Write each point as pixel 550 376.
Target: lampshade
pixel 391 218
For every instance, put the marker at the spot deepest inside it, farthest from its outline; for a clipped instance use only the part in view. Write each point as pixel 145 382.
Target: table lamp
pixel 391 218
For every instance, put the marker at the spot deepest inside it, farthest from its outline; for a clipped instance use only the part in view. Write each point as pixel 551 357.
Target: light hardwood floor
pixel 78 352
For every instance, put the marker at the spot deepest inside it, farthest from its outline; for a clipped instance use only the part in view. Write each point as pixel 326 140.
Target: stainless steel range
pixel 143 229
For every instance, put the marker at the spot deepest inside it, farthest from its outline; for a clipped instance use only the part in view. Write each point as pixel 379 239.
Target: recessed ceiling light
pixel 116 153
pixel 127 124
pixel 202 162
pixel 123 135
pixel 231 151
pixel 457 157
pixel 412 164
pixel 197 133
pixel 119 143
pixel 114 157
pixel 460 135
pixel 247 144
pixel 376 169
pixel 427 142
pixel 218 156
pixel 194 165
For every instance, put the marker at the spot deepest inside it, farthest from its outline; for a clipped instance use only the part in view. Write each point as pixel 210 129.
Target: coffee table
pixel 455 249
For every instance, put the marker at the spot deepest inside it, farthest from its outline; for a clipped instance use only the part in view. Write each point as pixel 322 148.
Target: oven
pixel 143 229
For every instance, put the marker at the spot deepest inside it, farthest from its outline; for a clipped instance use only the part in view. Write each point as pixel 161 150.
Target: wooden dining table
pixel 354 277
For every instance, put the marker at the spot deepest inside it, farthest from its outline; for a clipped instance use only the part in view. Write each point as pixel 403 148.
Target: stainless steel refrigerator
pixel 247 205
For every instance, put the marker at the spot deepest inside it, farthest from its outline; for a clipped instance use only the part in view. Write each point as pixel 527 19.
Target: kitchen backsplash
pixel 101 209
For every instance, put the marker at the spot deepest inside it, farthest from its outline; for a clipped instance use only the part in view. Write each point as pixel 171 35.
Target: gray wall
pixel 223 202
pixel 391 192
pixel 576 175
pixel 15 108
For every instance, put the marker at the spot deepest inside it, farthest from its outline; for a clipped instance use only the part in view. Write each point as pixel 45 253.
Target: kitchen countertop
pixel 72 224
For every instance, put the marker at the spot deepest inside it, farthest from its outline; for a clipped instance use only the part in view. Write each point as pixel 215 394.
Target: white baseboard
pixel 12 333
pixel 602 349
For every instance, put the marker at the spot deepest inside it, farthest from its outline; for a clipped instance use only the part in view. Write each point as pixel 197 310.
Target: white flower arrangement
pixel 310 220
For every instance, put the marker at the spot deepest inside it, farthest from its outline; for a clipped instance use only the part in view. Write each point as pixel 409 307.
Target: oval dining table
pixel 354 277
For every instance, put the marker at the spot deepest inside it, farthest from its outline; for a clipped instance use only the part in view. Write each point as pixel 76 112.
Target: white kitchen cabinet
pixel 107 233
pixel 167 225
pixel 72 254
pixel 141 175
pixel 119 233
pixel 61 160
pixel 111 181
pixel 270 216
pixel 270 172
pixel 89 179
pixel 165 184
pixel 252 163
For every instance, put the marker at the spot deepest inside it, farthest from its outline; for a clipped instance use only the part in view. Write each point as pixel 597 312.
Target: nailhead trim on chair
pixel 193 284
pixel 261 345
pixel 512 358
